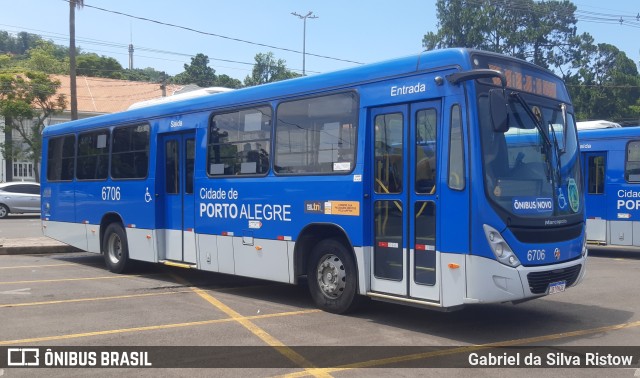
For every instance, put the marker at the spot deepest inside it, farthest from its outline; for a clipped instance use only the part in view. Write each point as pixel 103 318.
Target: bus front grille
pixel 539 281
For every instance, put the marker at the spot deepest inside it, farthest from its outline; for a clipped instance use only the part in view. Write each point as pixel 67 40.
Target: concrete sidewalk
pixel 35 245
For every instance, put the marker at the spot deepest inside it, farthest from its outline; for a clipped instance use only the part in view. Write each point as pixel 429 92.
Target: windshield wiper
pixel 533 117
pixel 558 153
pixel 549 145
pixel 563 110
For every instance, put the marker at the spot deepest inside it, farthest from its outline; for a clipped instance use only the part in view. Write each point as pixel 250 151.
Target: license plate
pixel 557 287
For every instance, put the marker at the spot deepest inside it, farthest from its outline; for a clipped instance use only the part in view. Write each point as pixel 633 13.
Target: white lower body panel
pixel 488 281
pixel 74 234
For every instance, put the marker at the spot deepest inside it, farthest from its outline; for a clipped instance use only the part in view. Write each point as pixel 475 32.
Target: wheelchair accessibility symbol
pixel 147 196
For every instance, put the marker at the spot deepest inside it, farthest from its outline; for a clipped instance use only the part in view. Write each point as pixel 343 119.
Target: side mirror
pixel 498 110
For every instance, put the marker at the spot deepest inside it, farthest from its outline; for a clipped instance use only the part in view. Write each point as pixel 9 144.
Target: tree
pixel 267 69
pixel 73 4
pixel 605 84
pixel 98 66
pixel 540 32
pixel 198 72
pixel 457 26
pixel 144 74
pixel 18 45
pixel 48 58
pixel 227 82
pixel 26 102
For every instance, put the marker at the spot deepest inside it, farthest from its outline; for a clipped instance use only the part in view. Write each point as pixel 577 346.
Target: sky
pixel 346 32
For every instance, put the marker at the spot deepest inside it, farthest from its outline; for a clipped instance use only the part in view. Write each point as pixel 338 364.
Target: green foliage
pixel 538 31
pixel 145 74
pixel 48 58
pixel 267 69
pixel 605 84
pixel 198 72
pixel 98 66
pixel 26 102
pixel 19 44
pixel 602 81
pixel 227 82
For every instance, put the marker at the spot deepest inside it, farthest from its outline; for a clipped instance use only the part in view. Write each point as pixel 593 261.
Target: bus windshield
pixel 532 170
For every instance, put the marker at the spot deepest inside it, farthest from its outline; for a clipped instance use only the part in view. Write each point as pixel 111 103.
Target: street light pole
pixel 304 35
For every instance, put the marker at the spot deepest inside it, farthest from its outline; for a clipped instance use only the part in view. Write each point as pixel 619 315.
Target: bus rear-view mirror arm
pixel 458 77
pixel 497 97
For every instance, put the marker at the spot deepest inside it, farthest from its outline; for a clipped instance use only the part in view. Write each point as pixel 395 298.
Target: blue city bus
pixel 611 161
pixel 393 180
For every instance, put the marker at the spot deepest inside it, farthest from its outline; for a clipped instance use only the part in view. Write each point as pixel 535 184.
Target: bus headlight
pixel 500 248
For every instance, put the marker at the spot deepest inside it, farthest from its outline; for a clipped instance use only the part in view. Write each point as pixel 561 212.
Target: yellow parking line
pixel 147 328
pixel 35 266
pixel 79 279
pixel 256 330
pixel 465 349
pixel 64 301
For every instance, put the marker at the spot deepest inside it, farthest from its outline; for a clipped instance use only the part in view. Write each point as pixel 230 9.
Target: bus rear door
pixel 176 167
pixel 405 201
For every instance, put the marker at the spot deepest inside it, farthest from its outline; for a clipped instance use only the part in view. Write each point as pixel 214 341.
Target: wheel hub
pixel 331 276
pixel 115 249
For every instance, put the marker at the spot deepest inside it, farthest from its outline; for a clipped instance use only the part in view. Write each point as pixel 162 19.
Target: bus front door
pixel 176 167
pixel 404 199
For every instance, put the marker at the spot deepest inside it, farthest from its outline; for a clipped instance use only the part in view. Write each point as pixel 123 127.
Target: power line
pixel 90 41
pixel 214 35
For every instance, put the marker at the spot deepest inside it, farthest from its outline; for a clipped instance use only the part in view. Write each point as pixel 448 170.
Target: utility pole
pixel 131 56
pixel 131 51
pixel 304 35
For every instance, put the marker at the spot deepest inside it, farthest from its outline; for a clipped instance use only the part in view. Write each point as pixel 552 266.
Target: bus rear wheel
pixel 115 248
pixel 332 277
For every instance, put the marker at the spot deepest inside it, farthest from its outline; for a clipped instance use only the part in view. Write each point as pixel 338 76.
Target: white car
pixel 19 197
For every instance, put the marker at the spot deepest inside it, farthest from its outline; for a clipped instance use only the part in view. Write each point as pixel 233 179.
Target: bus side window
pixel 130 152
pixel 239 141
pixel 317 135
pixel 60 158
pixel 93 155
pixel 632 163
pixel 456 151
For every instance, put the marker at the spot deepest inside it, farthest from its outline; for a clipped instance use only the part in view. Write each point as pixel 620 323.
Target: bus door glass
pixel 404 178
pixel 595 195
pixel 177 198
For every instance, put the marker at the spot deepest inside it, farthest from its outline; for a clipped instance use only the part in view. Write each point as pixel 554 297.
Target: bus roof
pixel 178 97
pixel 607 139
pixel 600 124
pixel 430 60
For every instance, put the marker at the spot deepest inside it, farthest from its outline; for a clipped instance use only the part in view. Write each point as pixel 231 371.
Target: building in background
pixel 96 96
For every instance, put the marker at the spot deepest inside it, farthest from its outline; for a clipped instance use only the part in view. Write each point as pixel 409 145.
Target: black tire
pixel 333 278
pixel 115 248
pixel 4 211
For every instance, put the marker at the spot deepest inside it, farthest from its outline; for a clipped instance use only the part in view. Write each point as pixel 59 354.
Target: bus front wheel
pixel 332 277
pixel 115 248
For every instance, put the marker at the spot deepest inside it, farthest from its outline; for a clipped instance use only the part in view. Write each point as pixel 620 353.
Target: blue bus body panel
pixel 301 193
